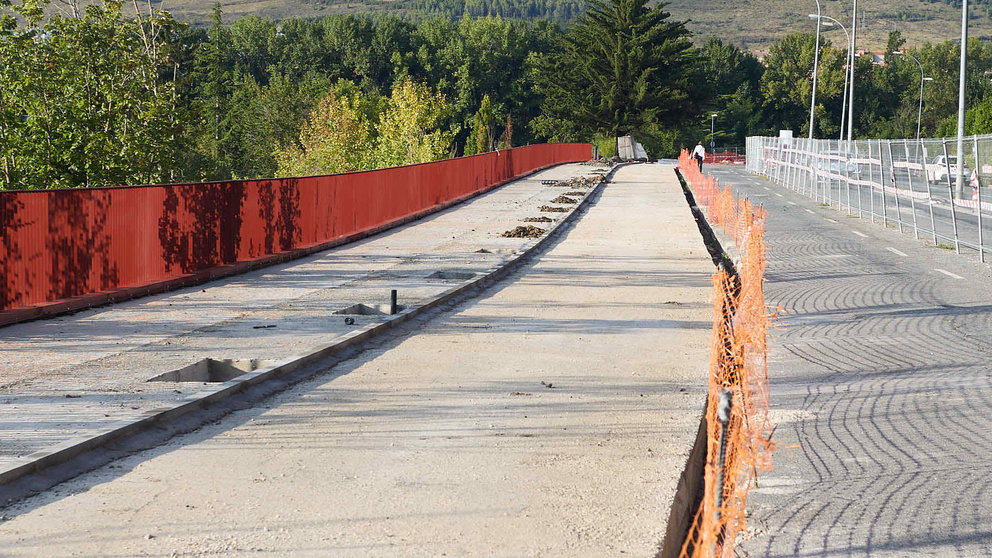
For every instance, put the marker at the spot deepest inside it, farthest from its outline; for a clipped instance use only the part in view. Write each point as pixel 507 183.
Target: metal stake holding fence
pixel 978 197
pixel 847 176
pixel 926 179
pixel 861 195
pixel 950 197
pixel 912 193
pixel 895 187
pixel 871 184
pixel 881 182
pixel 723 407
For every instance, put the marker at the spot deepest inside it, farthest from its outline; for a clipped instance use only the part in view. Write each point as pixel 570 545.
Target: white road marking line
pixel 810 211
pixel 897 252
pixel 831 220
pixel 861 234
pixel 779 195
pixel 947 273
pixel 792 203
pixel 767 188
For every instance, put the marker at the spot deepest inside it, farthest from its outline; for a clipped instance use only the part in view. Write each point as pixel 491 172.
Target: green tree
pixel 410 129
pixel 786 85
pixel 81 100
pixel 337 137
pixel 483 136
pixel 727 81
pixel 622 67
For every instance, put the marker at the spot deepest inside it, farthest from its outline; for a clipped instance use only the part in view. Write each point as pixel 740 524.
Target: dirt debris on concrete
pixel 579 182
pixel 552 209
pixel 563 199
pixel 541 219
pixel 574 193
pixel 529 231
pixel 415 448
pixel 142 338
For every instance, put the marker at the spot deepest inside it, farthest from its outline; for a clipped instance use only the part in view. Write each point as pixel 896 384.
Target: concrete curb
pixel 691 487
pixel 44 469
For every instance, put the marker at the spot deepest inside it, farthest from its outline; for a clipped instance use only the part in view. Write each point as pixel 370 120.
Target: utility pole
pixel 854 46
pixel 816 63
pixel 961 100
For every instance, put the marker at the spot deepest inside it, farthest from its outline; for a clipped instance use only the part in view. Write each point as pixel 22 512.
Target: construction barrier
pixel 58 245
pixel 737 425
pixel 725 157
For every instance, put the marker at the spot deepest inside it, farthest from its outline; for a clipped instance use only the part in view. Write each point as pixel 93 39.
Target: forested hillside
pixel 98 97
pixel 752 24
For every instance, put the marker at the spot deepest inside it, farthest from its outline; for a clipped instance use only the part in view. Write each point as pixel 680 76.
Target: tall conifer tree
pixel 624 67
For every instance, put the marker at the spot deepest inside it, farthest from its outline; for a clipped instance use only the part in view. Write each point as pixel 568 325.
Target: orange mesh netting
pixel 738 364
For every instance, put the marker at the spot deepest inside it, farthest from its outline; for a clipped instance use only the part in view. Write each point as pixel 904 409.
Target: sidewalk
pixel 69 377
pixel 551 416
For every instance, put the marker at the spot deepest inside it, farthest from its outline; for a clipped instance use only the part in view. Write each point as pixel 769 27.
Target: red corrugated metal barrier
pixel 64 246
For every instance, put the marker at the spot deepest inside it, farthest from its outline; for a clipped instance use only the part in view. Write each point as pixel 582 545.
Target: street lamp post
pixel 961 98
pixel 854 45
pixel 816 63
pixel 923 79
pixel 830 22
pixel 712 129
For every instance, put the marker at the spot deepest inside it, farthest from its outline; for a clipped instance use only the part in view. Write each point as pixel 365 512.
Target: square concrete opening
pixel 212 370
pixel 452 275
pixel 359 310
pixel 366 310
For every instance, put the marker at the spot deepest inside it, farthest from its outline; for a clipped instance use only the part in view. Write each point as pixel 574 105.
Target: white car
pixel 938 169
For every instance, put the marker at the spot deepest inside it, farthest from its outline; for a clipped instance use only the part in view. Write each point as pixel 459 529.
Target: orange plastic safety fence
pixel 738 364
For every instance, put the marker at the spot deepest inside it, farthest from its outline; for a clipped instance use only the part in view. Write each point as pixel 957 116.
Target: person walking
pixel 698 154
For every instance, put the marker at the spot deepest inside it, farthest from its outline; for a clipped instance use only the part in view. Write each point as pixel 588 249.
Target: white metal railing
pixel 911 184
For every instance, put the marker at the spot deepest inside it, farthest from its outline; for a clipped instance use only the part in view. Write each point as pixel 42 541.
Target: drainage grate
pixel 212 370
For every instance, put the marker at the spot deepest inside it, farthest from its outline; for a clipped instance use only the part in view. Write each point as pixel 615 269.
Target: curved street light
pixel 923 79
pixel 854 45
pixel 816 63
pixel 850 55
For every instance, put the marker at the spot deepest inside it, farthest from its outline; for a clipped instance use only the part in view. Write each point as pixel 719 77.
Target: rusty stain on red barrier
pixel 64 244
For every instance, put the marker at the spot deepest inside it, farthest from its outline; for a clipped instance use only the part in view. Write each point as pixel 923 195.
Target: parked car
pixel 828 161
pixel 939 168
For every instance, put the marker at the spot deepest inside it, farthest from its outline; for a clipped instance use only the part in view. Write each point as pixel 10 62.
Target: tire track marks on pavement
pixel 881 385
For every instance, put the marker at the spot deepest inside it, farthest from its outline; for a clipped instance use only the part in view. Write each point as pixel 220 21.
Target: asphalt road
pixel 931 218
pixel 881 387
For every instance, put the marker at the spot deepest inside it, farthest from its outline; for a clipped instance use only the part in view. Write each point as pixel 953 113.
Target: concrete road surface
pixel 550 417
pixel 881 383
pixel 69 378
